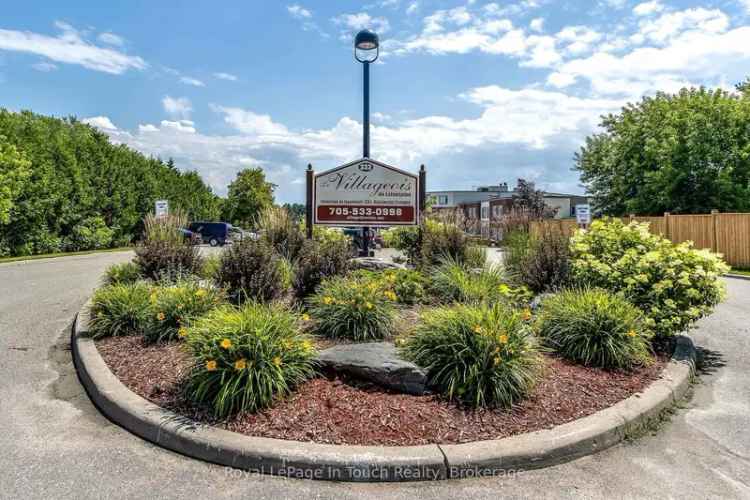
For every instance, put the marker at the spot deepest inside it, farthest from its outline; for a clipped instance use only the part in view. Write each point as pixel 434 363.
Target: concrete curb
pixel 737 276
pixel 376 463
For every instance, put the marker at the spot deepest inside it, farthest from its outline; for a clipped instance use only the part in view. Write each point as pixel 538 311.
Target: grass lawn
pixel 744 272
pixel 61 254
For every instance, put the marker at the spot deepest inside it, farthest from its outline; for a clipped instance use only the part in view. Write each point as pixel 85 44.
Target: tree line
pixel 64 186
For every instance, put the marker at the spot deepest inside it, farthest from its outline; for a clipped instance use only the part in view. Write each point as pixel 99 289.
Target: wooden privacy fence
pixel 727 234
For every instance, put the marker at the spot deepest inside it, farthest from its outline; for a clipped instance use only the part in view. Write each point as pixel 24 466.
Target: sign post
pixel 161 208
pixel 366 193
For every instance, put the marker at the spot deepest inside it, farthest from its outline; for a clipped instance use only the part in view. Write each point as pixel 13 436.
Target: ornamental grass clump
pixel 352 308
pixel 319 259
pixel 673 284
pixel 454 281
pixel 595 328
pixel 175 307
pixel 122 274
pixel 164 253
pixel 120 309
pixel 408 285
pixel 482 356
pixel 245 358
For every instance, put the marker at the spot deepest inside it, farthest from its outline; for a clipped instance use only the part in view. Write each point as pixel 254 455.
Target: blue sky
pixel 479 91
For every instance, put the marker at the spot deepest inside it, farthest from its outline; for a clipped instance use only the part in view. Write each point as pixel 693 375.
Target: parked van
pixel 213 233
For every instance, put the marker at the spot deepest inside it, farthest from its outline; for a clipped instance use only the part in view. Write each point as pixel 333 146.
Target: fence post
pixel 667 232
pixel 715 232
pixel 632 217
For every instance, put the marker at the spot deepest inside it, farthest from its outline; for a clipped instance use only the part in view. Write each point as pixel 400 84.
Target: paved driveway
pixel 56 445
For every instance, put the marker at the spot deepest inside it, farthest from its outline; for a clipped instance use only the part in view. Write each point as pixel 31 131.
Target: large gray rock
pixel 374 264
pixel 377 362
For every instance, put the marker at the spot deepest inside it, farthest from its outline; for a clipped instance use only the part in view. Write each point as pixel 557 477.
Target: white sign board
pixel 583 214
pixel 161 208
pixel 366 193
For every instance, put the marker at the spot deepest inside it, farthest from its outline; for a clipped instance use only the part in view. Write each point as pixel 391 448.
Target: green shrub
pixel 164 254
pixel 475 256
pixel 247 357
pixel 442 240
pixel 352 308
pixel 405 239
pixel 281 231
pixel 674 285
pixel 319 260
pixel 483 356
pixel 407 286
pixel 454 281
pixel 540 262
pixel 174 307
pixel 210 268
pixel 124 274
pixel 90 234
pixel 250 270
pixel 119 310
pixel 595 328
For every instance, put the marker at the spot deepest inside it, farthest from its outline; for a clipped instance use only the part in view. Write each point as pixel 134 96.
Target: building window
pixel 485 212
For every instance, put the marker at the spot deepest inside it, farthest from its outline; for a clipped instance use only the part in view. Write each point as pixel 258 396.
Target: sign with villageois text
pixel 366 193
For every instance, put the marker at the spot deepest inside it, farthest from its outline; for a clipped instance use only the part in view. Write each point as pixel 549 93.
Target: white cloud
pixel 412 8
pixel 695 45
pixel 180 107
pixel 648 8
pixel 187 80
pixel 361 20
pixel 537 24
pixel 298 12
pixel 44 67
pixel 225 76
pixel 101 122
pixel 111 39
pixel 70 48
pixel 526 132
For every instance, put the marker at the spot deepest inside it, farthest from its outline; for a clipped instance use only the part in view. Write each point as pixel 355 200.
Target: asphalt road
pixel 54 443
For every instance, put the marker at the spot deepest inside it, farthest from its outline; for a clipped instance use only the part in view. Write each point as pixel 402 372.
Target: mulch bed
pixel 340 411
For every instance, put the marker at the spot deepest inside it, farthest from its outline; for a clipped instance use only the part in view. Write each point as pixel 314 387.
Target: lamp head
pixel 366 46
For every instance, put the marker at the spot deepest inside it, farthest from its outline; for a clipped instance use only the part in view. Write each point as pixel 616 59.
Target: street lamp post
pixel 366 50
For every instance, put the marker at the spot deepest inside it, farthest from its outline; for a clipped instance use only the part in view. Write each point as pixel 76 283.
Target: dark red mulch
pixel 331 411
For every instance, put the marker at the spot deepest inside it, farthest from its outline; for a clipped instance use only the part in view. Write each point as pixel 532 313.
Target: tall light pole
pixel 366 50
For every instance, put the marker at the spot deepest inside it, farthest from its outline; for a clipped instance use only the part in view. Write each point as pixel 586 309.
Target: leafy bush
pixel 211 267
pixel 250 270
pixel 281 231
pixel 175 307
pixel 405 239
pixel 164 254
pixel 440 241
pixel 408 286
pixel 90 234
pixel 351 308
pixel 595 328
pixel 454 281
pixel 319 260
pixel 119 310
pixel 124 274
pixel 478 355
pixel 674 285
pixel 541 262
pixel 245 358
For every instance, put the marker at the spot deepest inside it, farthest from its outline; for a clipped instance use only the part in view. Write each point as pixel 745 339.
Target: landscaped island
pixel 564 329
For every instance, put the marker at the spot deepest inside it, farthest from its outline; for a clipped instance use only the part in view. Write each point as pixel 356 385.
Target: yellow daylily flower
pixel 327 300
pixel 305 317
pixel 277 361
pixel 240 364
pixel 160 316
pixel 182 332
pixel 211 365
pixel 226 343
pixel 503 339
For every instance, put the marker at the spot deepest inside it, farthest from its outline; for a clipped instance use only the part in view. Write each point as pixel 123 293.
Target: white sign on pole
pixel 366 193
pixel 583 214
pixel 161 208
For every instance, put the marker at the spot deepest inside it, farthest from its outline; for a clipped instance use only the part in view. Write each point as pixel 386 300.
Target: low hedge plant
pixel 408 285
pixel 119 309
pixel 123 274
pixel 673 284
pixel 245 358
pixel 479 355
pixel 595 328
pixel 175 307
pixel 352 308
